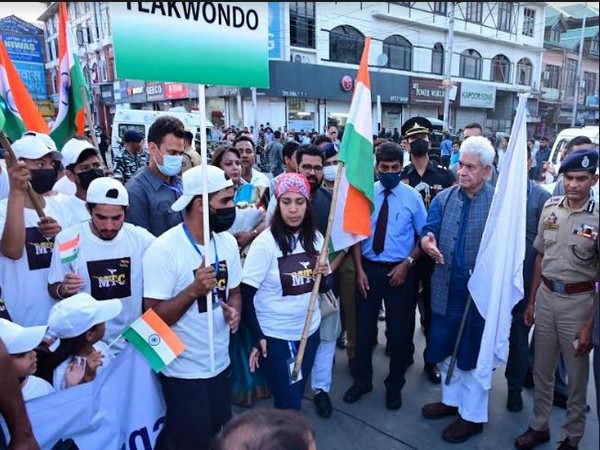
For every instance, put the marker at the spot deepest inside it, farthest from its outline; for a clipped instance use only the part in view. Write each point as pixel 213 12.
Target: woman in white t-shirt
pixel 277 282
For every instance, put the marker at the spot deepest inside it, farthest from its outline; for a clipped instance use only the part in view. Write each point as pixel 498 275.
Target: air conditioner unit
pixel 546 75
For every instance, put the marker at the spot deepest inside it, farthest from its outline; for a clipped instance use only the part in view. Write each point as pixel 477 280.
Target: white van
pixel 140 120
pixel 562 139
pixel 566 135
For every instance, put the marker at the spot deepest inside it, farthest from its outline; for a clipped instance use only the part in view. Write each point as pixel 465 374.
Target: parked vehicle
pixel 140 120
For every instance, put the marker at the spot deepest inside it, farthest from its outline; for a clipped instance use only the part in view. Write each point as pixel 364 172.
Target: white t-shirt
pixel 284 286
pixel 77 207
pixel 24 281
pixel 111 269
pixel 58 377
pixel 35 387
pixel 258 179
pixel 65 186
pixel 169 267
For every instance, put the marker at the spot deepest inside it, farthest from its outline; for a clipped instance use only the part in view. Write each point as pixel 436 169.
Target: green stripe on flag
pixel 145 349
pixel 357 155
pixel 69 258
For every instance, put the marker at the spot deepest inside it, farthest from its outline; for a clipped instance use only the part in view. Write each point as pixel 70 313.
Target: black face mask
pixel 419 147
pixel 85 178
pixel 220 220
pixel 42 180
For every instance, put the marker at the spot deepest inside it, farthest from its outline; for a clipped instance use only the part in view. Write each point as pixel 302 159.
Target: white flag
pixel 496 284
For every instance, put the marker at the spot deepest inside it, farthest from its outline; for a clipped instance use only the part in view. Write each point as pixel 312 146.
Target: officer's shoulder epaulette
pixel 591 205
pixel 553 200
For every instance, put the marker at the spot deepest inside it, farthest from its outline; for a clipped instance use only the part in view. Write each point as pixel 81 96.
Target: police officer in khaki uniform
pixel 428 178
pixel 562 295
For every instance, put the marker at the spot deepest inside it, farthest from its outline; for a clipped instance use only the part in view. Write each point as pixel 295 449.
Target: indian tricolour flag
pixel 69 250
pixel 155 340
pixel 16 105
pixel 355 199
pixel 73 90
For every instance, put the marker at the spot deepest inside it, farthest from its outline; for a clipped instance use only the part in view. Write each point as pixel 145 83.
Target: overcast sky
pixel 28 11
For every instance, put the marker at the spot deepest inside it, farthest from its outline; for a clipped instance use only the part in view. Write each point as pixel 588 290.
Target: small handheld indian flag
pixel 155 340
pixel 69 250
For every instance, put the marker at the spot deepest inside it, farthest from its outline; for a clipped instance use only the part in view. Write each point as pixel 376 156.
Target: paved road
pixel 368 425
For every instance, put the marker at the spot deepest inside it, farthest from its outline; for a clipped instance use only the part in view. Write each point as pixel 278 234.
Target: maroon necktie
pixel 380 227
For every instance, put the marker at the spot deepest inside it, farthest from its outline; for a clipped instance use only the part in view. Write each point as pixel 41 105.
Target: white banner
pixel 122 409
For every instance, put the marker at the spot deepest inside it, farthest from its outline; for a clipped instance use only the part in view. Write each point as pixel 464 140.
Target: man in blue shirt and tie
pixel 384 264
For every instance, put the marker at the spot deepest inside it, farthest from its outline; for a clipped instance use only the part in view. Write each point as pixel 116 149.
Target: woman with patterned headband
pixel 277 282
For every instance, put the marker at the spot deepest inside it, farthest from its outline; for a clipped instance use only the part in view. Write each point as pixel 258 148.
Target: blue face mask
pixel 171 165
pixel 389 180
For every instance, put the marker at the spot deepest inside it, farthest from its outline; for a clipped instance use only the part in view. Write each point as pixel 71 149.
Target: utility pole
pixel 448 72
pixel 578 74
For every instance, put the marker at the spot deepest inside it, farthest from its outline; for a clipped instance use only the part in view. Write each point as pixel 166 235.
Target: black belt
pixel 386 264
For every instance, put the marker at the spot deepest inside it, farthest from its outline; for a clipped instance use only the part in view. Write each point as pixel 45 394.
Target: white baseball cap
pixel 107 191
pixel 20 339
pixel 44 137
pixel 73 148
pixel 192 184
pixel 34 147
pixel 75 315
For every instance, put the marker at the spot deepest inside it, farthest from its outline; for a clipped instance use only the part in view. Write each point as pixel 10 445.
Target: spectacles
pixel 310 168
pixel 331 163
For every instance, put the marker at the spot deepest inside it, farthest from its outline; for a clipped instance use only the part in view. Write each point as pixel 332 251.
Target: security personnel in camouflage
pixel 428 179
pixel 133 157
pixel 562 296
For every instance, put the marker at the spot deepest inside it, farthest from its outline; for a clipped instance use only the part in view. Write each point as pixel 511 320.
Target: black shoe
pixel 528 381
pixel 433 373
pixel 393 399
pixel 514 402
pixel 322 403
pixel 354 393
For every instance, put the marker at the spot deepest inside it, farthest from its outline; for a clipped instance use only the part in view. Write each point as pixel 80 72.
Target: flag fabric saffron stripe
pixel 69 250
pixel 19 110
pixel 355 200
pixel 154 339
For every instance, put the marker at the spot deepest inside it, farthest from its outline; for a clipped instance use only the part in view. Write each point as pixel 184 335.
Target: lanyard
pixel 175 188
pixel 193 242
pixel 293 348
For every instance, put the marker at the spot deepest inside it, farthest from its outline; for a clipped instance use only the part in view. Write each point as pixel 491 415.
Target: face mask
pixel 389 180
pixel 419 147
pixel 42 180
pixel 85 178
pixel 171 165
pixel 220 220
pixel 330 172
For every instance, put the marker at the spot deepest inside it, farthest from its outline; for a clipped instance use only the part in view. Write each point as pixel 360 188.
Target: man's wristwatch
pixel 411 261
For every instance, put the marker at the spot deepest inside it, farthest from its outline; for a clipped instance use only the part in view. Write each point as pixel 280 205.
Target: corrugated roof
pixel 579 10
pixel 571 38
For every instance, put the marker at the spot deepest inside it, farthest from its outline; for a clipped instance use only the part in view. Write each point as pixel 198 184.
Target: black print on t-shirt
pixel 296 273
pixel 110 278
pixel 39 249
pixel 220 290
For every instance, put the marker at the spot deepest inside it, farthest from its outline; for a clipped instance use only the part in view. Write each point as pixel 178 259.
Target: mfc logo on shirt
pixel 110 278
pixel 38 249
pixel 296 273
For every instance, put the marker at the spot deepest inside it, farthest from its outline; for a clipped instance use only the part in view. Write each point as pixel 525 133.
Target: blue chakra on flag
pixel 154 340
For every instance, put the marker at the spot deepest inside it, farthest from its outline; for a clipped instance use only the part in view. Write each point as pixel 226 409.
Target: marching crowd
pixel 83 255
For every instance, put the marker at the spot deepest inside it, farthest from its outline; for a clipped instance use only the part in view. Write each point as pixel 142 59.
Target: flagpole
pixel 12 159
pixel 322 260
pixel 88 116
pixel 461 329
pixel 205 218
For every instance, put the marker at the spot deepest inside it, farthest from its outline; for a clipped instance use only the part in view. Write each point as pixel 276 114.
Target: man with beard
pixel 102 256
pixel 177 278
pixel 82 166
pixel 28 240
pixel 428 178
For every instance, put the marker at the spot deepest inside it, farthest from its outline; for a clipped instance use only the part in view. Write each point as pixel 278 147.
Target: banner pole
pixel 205 217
